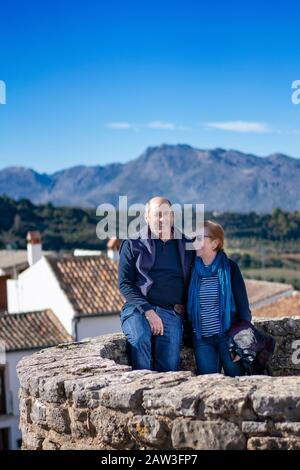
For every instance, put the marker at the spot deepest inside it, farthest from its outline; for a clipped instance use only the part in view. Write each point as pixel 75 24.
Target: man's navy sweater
pixel 166 273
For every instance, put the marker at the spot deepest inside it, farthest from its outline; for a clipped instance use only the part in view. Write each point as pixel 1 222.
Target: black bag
pixel 255 347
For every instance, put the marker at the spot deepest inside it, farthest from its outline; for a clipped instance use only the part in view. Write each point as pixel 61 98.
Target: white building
pixel 82 291
pixel 12 263
pixel 21 335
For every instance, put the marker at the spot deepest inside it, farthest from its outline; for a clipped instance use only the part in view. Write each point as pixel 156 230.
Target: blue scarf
pixel 221 267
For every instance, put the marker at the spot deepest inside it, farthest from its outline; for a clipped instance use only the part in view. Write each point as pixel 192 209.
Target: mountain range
pixel 224 180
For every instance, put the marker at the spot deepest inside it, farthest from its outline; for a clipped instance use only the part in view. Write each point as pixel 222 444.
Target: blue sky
pixel 92 82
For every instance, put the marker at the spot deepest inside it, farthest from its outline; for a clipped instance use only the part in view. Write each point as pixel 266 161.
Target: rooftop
pixel 90 283
pixel 31 330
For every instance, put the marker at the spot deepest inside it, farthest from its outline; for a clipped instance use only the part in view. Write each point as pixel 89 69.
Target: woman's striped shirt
pixel 209 305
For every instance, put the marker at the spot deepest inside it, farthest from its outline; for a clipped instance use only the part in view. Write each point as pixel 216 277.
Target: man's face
pixel 160 218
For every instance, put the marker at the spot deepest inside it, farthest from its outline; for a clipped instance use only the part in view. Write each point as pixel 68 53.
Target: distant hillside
pixel 62 228
pixel 224 180
pixel 66 228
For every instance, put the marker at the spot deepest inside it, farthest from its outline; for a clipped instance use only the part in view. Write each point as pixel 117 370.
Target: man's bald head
pixel 157 201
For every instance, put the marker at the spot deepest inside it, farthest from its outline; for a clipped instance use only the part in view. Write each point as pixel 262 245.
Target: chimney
pixel 34 247
pixel 113 246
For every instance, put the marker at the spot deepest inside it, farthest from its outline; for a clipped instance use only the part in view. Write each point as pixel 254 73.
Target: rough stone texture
pixel 207 435
pixel 85 396
pixel 286 332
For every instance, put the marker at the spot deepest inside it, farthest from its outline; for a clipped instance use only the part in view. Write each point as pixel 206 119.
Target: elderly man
pixel 154 271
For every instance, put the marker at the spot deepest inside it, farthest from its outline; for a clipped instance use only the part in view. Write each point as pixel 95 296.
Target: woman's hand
pixel 236 358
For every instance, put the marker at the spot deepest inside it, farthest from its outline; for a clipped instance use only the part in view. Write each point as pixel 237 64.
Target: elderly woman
pixel 217 298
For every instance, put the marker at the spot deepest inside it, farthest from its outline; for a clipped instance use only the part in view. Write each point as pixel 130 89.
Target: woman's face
pixel 208 246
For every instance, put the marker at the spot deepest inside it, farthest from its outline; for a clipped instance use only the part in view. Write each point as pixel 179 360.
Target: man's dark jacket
pixel 134 279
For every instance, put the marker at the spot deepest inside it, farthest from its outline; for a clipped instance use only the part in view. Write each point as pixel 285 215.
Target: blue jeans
pixel 144 348
pixel 212 353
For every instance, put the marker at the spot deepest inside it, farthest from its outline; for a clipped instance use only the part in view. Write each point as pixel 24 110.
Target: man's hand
pixel 156 325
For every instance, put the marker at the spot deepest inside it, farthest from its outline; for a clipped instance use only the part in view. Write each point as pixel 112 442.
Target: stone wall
pixel 286 332
pixel 85 396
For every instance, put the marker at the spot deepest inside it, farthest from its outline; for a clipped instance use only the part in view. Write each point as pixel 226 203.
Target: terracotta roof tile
pixel 90 283
pixel 31 330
